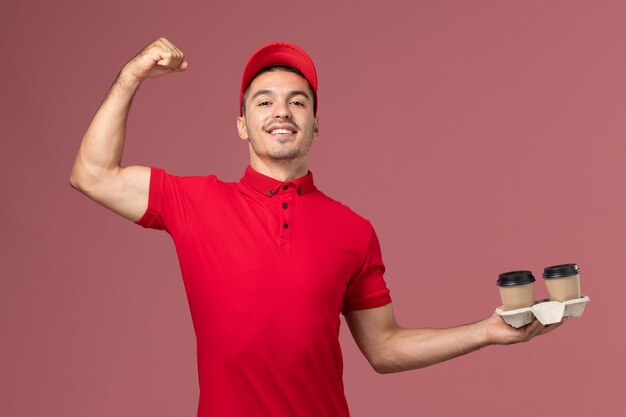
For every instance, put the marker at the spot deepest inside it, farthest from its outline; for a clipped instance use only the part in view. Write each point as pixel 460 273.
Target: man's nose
pixel 282 110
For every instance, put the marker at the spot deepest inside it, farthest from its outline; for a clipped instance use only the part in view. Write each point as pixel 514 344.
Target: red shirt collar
pixel 269 186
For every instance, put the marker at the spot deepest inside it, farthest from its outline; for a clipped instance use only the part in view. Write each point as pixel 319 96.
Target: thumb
pixel 183 66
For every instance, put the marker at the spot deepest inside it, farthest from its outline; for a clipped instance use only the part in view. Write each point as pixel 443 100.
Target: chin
pixel 284 156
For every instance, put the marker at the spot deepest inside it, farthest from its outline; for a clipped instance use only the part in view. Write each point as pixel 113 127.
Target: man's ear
pixel 316 128
pixel 241 127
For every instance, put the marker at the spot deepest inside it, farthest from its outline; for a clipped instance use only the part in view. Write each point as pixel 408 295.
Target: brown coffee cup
pixel 517 289
pixel 562 282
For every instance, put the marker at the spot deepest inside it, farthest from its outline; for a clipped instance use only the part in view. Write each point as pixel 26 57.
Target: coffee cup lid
pixel 512 278
pixel 558 271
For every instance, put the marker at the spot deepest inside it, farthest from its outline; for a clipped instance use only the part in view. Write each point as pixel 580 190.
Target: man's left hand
pixel 499 332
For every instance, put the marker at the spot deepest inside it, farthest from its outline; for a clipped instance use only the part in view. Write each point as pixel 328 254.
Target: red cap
pixel 279 53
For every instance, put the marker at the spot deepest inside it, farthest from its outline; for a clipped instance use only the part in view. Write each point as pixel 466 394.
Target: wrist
pixel 126 82
pixel 482 333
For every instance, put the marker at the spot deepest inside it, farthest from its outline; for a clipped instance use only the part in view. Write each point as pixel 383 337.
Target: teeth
pixel 281 131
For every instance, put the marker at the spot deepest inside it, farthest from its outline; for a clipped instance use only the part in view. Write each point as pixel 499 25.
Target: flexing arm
pixel 390 348
pixel 97 170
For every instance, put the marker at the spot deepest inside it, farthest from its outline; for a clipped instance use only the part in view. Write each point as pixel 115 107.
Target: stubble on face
pixel 279 89
pixel 280 151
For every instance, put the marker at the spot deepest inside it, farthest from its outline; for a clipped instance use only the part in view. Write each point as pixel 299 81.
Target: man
pixel 270 262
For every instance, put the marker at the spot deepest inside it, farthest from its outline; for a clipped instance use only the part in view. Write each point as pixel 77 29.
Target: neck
pixel 283 171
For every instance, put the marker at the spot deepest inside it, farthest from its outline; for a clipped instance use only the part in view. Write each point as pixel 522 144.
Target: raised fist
pixel 159 58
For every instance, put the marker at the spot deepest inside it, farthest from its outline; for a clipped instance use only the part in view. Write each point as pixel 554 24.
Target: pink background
pixel 478 137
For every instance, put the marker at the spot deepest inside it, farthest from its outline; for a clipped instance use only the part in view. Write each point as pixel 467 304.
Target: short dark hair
pixel 272 69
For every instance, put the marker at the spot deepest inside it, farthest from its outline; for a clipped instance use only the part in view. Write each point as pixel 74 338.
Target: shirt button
pixel 270 192
pixel 285 205
pixel 285 187
pixel 286 226
pixel 299 191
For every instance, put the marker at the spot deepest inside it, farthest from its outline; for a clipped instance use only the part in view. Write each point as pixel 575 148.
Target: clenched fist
pixel 159 58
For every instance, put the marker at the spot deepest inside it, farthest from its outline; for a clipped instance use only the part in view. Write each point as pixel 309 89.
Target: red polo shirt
pixel 268 267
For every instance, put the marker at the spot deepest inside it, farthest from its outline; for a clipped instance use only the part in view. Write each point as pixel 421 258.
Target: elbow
pixel 75 179
pixel 386 363
pixel 81 181
pixel 74 183
pixel 394 359
pixel 385 367
pixel 382 369
pixel 384 356
pixel 84 177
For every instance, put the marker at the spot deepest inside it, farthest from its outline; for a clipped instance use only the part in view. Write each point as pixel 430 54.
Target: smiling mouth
pixel 282 131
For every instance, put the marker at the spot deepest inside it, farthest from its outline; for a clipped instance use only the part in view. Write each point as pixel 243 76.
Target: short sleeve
pixel 367 289
pixel 167 202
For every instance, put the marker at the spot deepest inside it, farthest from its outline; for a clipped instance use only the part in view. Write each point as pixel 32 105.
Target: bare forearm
pixel 97 172
pixel 103 143
pixel 407 349
pixel 391 348
pixel 417 348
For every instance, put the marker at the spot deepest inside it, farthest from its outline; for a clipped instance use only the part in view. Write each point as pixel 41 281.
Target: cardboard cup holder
pixel 547 312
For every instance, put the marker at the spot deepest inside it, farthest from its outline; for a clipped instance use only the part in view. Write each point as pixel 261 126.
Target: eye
pixel 263 103
pixel 297 103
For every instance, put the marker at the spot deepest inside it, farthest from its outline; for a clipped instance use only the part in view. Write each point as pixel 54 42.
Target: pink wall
pixel 478 137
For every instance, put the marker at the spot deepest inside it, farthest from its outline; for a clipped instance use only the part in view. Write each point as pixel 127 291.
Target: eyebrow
pixel 290 95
